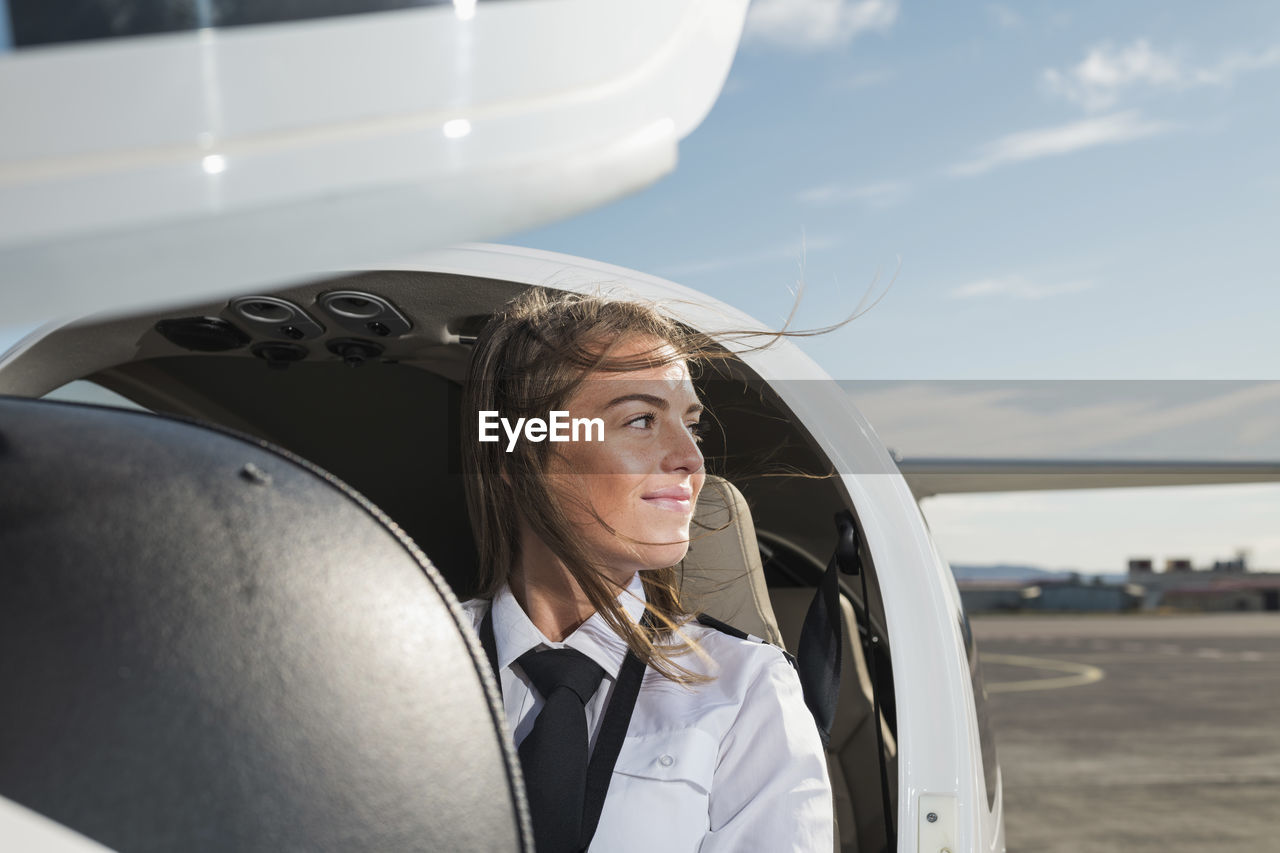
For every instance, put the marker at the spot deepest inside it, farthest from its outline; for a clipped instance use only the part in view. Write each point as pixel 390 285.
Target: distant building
pixel 1073 594
pixel 996 596
pixel 1244 594
pixel 1227 585
pixel 1087 597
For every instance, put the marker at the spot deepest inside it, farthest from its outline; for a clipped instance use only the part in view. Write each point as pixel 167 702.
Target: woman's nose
pixel 684 453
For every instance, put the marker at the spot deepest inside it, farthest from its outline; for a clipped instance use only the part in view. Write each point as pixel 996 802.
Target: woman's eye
pixel 698 429
pixel 645 421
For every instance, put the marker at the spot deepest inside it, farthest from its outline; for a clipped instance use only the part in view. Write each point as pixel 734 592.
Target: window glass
pixel 44 22
pixel 84 391
pixel 985 734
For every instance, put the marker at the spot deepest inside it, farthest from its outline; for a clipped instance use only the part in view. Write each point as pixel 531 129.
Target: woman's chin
pixel 653 547
pixel 664 556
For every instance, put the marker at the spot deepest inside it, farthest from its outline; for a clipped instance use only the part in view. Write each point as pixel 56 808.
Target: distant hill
pixel 1004 572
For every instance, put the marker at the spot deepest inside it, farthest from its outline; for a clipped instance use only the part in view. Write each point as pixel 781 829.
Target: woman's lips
pixel 674 498
pixel 673 504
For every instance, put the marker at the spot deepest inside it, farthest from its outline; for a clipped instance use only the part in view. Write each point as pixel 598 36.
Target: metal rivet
pixel 666 761
pixel 932 817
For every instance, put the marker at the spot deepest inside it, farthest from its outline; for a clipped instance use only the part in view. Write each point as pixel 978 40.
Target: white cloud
pixel 1160 420
pixel 1018 287
pixel 879 195
pixel 1099 530
pixel 1098 81
pixel 1095 83
pixel 1090 420
pixel 1225 72
pixel 1063 139
pixel 809 24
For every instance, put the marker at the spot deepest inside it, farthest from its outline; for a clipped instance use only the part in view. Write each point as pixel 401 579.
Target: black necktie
pixel 554 753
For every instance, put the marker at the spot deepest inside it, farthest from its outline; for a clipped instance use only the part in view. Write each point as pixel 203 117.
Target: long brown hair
pixel 529 359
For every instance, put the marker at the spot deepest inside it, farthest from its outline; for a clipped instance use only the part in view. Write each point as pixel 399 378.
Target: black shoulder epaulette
pixel 726 628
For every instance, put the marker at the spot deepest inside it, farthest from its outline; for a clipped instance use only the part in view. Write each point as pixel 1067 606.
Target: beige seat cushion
pixel 722 575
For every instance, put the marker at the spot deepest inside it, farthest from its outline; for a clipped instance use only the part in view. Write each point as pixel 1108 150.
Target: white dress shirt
pixel 732 765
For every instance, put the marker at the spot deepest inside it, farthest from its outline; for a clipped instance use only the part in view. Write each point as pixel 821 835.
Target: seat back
pixel 852 753
pixel 207 645
pixel 722 575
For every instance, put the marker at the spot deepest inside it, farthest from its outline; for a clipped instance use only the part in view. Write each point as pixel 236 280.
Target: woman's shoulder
pixel 734 657
pixel 728 639
pixel 750 683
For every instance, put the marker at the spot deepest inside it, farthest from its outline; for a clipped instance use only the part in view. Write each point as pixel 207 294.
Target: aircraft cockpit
pixel 359 374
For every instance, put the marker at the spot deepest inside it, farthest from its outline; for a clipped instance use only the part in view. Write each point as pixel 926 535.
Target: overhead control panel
pixel 364 313
pixel 276 318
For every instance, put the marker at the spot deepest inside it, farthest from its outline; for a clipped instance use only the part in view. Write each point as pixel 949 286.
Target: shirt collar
pixel 514 634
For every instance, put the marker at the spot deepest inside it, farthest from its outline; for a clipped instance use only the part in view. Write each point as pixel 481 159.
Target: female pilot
pixel 638 728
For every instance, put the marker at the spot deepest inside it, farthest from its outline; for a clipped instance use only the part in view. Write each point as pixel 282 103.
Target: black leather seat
pixel 205 645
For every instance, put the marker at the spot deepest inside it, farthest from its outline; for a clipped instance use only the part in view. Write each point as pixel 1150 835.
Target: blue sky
pixel 1084 191
pixel 1064 191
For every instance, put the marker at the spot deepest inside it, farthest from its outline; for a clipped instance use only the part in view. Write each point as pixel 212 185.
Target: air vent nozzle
pixel 277 318
pixel 354 351
pixel 202 334
pixel 365 313
pixel 279 354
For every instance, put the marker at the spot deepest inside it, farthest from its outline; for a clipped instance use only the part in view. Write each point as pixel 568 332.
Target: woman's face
pixel 644 478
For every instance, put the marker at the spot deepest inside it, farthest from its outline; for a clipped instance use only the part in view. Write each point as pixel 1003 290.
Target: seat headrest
pixel 208 645
pixel 722 575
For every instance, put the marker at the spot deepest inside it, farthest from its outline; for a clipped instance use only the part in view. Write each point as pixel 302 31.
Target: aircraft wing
pixel 957 475
pixel 156 159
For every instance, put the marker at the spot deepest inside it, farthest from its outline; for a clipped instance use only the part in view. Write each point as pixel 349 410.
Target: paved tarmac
pixel 1149 733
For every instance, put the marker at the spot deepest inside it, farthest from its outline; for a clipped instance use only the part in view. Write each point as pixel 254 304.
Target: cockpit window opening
pixel 88 391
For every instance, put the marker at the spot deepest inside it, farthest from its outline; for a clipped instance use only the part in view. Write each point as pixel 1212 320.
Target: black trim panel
pixel 43 22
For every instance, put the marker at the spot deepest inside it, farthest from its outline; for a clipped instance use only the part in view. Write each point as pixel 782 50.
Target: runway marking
pixel 1081 674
